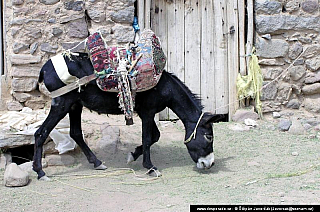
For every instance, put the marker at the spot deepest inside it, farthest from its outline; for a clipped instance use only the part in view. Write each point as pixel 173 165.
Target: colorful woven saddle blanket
pixel 146 72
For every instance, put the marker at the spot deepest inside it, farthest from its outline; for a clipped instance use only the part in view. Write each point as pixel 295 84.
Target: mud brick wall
pixel 36 30
pixel 287 43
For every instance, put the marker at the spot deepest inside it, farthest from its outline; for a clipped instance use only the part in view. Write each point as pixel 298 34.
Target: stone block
pixel 269 92
pixel 284 124
pixel 17 2
pixel 35 104
pixel 24 85
pixel 21 97
pixel 74 5
pixel 60 160
pixel 48 48
pixel 242 114
pixel 123 16
pixel 14 106
pixel 14 176
pixel 295 50
pixel 312 103
pixel 311 89
pixel 276 24
pixel 26 71
pixel 297 72
pixel 310 6
pixel 49 2
pixel 24 59
pixel 19 47
pixel 123 34
pixel 78 29
pixel 272 48
pixel 56 31
pixel 79 48
pixel 313 64
pixel 268 7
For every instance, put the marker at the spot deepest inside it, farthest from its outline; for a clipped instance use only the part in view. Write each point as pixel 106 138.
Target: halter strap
pixel 193 134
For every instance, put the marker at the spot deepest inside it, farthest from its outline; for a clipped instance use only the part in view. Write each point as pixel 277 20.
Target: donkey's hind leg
pixel 76 134
pixel 55 115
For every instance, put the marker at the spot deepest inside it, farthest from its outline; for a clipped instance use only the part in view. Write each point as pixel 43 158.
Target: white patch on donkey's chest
pixel 62 71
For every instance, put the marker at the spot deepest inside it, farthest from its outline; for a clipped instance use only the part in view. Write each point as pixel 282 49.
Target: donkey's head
pixel 200 142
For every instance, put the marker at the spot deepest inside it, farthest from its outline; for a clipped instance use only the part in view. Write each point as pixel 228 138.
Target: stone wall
pixel 36 30
pixel 288 47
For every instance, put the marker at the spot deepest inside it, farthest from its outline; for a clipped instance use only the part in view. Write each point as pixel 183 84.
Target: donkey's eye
pixel 208 138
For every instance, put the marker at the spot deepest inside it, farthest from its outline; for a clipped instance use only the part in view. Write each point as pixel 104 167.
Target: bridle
pixel 193 134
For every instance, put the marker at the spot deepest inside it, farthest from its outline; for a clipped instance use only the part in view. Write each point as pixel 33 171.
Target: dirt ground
pixel 259 166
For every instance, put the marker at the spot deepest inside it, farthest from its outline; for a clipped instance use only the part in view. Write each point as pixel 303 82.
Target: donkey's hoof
pixel 130 158
pixel 154 173
pixel 101 167
pixel 44 178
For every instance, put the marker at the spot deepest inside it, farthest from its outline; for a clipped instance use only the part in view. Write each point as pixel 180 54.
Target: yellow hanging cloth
pixel 251 84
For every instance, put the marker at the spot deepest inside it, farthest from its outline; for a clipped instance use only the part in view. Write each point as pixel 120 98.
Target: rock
pixel 60 160
pixel 276 23
pixel 311 89
pixel 56 31
pixel 49 2
pixel 294 104
pixel 74 5
pixel 123 16
pixel 312 51
pixel 312 78
pixel 110 139
pixel 5 159
pixel 17 2
pixel 313 64
pixel 18 72
pixel 269 92
pixel 21 97
pixel 297 72
pixel 79 48
pixel 271 73
pixel 14 106
pixel 19 47
pixel 52 20
pixel 307 126
pixel 241 114
pixel 271 62
pixel 270 106
pixel 294 153
pixel 292 6
pixel 78 29
pixel 46 47
pixel 123 34
pixel 24 84
pixel 239 127
pixel 272 48
pixel 276 115
pixel 250 122
pixel 312 103
pixel 268 7
pixel 310 6
pixel 33 47
pixel 298 62
pixel 266 36
pixel 284 124
pixel 24 59
pixel 28 166
pixel 296 127
pixel 295 50
pixel 35 104
pixel 49 148
pixel 96 12
pixel 14 176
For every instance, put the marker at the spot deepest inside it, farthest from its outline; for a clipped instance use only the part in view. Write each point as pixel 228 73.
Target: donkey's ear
pixel 209 118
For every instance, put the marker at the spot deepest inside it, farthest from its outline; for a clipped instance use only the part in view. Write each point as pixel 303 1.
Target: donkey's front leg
pixel 147 125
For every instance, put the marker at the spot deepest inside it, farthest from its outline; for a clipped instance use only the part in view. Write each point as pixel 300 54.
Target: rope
pixel 193 134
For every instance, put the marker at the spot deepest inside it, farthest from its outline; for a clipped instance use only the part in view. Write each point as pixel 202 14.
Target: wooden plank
pixel 250 25
pixel 242 45
pixel 233 54
pixel 147 18
pixel 207 60
pixel 141 10
pixel 192 44
pixel 220 58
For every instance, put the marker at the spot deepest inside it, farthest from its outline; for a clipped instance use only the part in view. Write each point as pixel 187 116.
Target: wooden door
pixel 200 39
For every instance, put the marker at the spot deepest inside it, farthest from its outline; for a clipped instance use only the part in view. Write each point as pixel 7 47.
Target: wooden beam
pixel 141 14
pixel 147 13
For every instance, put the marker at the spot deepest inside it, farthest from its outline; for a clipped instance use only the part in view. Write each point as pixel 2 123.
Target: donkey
pixel 169 92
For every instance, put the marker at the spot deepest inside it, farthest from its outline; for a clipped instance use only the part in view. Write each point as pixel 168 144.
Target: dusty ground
pixel 260 166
